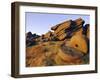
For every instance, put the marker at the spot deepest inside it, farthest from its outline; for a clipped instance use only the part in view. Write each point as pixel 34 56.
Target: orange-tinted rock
pixel 62 26
pixel 79 21
pixel 48 35
pixel 65 45
pixel 68 28
pixel 62 37
pixel 79 42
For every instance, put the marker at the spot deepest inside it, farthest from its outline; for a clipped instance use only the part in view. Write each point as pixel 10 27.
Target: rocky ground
pixel 67 43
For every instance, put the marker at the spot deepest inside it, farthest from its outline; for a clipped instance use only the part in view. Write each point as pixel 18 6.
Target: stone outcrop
pixel 86 30
pixel 31 39
pixel 67 28
pixel 66 43
pixel 62 31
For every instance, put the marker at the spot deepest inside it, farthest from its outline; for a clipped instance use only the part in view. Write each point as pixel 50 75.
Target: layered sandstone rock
pixel 67 28
pixel 66 43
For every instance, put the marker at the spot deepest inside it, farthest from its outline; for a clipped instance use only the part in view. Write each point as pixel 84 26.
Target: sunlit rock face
pixel 67 43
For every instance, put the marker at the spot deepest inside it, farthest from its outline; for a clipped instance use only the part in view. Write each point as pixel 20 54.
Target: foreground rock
pixel 53 54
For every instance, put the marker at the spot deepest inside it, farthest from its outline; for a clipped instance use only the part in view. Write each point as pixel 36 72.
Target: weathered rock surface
pixel 67 43
pixel 31 39
pixel 52 54
pixel 66 29
pixel 86 30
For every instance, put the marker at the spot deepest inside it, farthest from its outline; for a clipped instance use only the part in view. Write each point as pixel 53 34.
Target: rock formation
pixel 67 28
pixel 31 39
pixel 66 43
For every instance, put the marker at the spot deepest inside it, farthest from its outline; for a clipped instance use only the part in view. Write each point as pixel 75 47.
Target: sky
pixel 40 23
